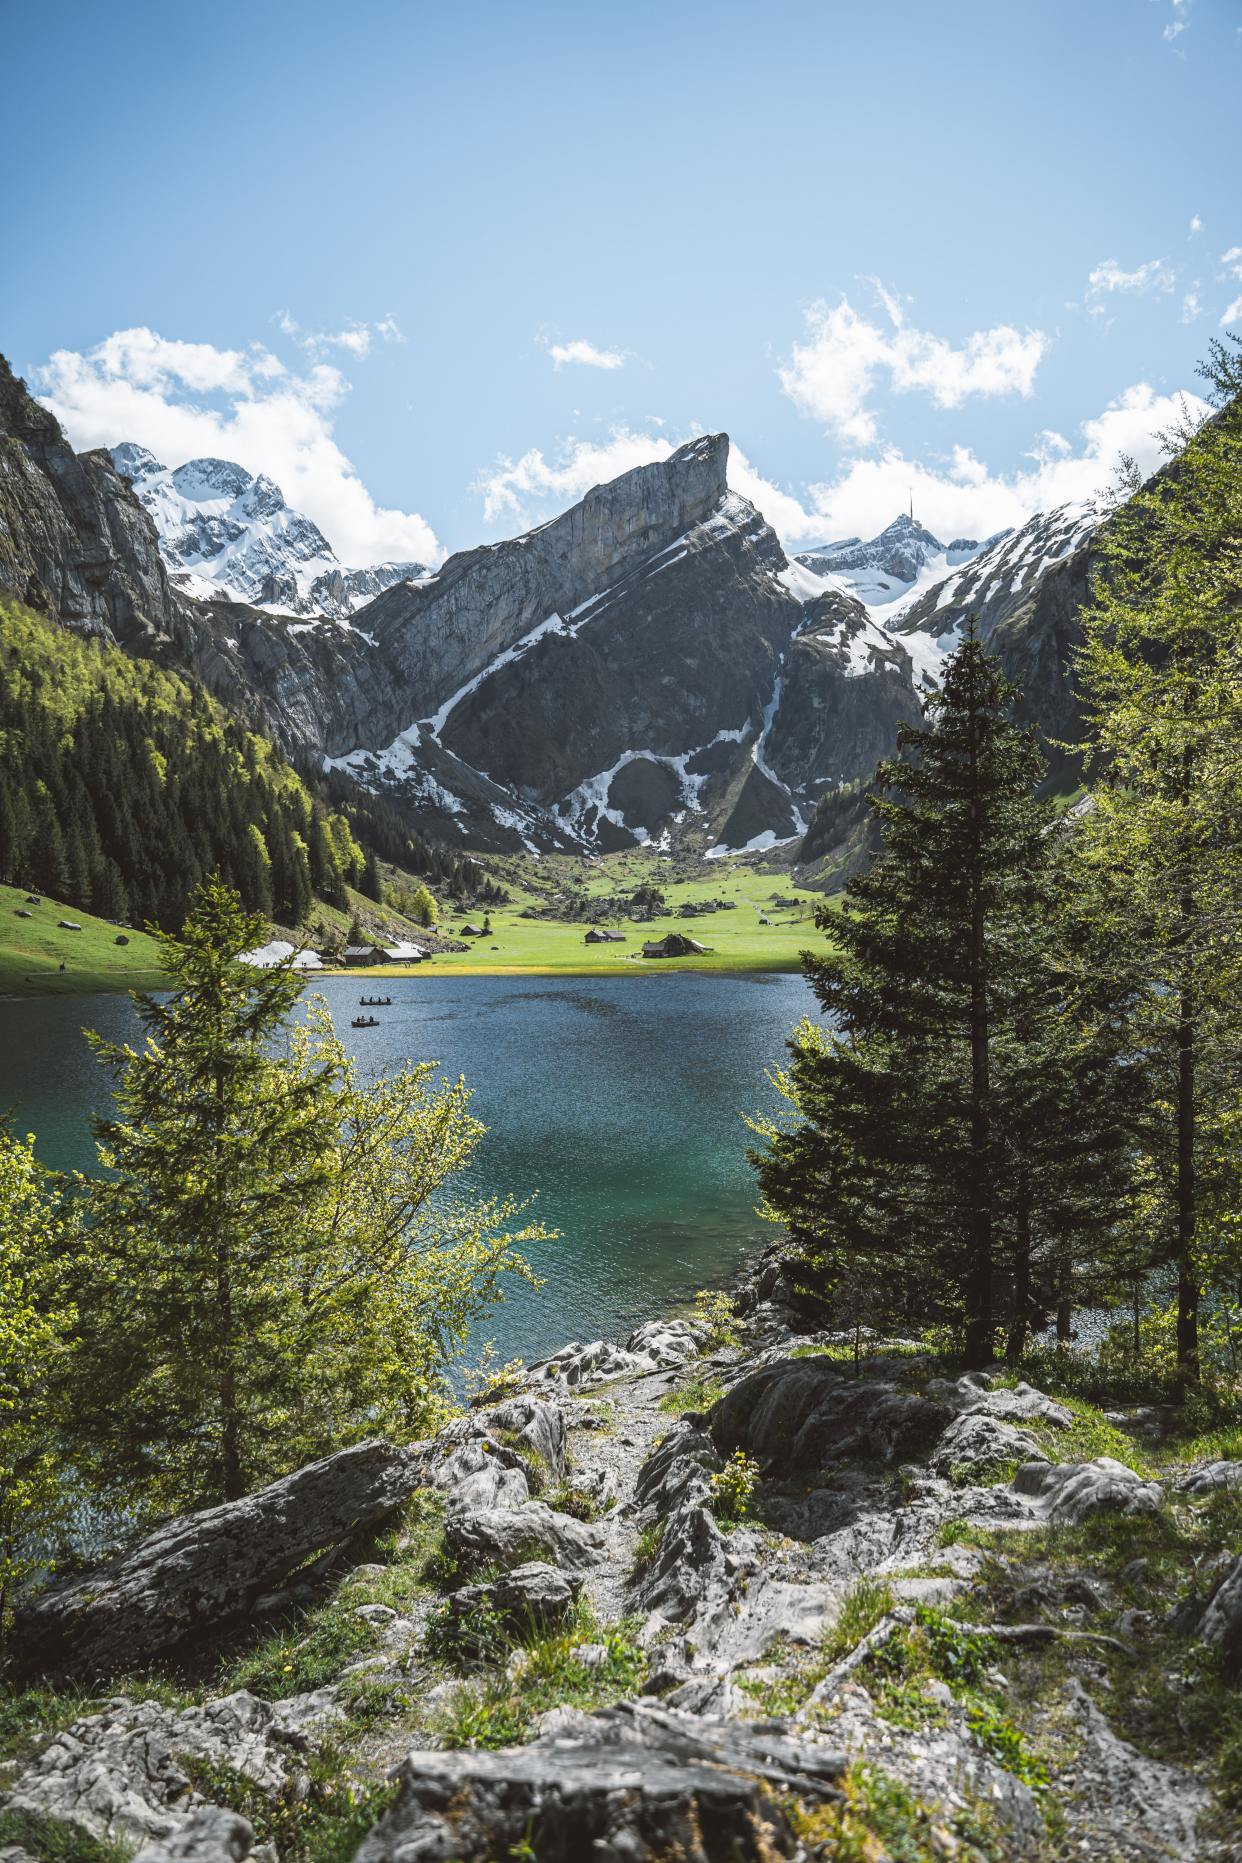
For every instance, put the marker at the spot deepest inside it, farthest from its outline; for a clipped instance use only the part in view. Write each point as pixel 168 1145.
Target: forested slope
pixel 123 783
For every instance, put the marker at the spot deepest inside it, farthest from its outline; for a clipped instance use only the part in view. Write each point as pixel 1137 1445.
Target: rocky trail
pixel 674 1600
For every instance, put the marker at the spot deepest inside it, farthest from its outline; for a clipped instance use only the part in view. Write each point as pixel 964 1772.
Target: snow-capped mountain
pixel 229 536
pixel 894 567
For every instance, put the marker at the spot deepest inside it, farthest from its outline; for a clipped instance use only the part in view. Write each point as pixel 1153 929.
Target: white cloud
pixel 1191 304
pixel 957 496
pixel 1196 225
pixel 514 488
pixel 183 400
pixel 1232 262
pixel 355 338
pixel 963 497
pixel 1179 22
pixel 832 375
pixel 1109 277
pixel 584 353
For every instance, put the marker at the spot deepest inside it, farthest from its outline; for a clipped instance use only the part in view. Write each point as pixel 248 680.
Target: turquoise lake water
pixel 618 1099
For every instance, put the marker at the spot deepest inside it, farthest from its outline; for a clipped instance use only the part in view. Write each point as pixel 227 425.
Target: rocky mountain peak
pixel 135 462
pixel 205 480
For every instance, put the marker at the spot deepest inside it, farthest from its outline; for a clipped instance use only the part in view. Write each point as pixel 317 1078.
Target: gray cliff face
pixel 439 633
pixel 646 667
pixel 620 674
pixel 847 692
pixel 74 543
pixel 1025 592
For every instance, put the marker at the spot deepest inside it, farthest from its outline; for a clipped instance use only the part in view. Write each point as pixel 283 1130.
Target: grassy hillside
pixel 32 951
pixel 736 939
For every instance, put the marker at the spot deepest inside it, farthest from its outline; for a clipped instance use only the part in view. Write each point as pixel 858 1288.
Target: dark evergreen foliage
pixel 123 785
pixel 962 1122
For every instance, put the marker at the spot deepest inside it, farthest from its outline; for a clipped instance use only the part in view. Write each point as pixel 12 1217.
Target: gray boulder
pixel 123 1774
pixel 201 1570
pixel 679 1470
pixel 578 1365
pixel 660 1345
pixel 1023 1404
pixel 802 1414
pixel 1221 1619
pixel 690 1563
pixel 510 1536
pixel 540 1425
pixel 211 1835
pixel 532 1597
pixel 1210 1478
pixel 976 1443
pixel 633 1782
pixel 1069 1491
pixel 472 1469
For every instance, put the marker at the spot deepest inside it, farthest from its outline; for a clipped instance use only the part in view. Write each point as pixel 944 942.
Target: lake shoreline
pixel 94 985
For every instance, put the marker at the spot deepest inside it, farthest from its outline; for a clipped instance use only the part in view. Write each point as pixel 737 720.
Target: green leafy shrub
pixel 715 1311
pixel 733 1487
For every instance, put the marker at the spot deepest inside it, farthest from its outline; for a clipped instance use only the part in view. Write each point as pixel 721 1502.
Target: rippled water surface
pixel 617 1099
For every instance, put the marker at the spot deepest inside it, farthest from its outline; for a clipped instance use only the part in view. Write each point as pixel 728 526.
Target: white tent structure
pixel 279 951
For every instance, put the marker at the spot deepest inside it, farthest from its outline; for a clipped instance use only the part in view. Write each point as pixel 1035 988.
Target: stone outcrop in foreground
pixel 635 1781
pixel 584 1559
pixel 199 1572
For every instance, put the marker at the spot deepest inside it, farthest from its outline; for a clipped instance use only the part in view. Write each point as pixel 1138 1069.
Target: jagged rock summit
pixel 647 668
pixel 226 533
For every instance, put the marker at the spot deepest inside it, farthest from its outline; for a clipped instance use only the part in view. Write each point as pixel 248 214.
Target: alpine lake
pixel 616 1103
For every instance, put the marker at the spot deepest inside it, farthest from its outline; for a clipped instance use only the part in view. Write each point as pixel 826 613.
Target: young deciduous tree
pixel 274 1263
pixel 36 1327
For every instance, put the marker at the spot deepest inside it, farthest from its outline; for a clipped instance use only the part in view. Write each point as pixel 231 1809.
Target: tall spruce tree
pixel 1161 678
pixel 938 1143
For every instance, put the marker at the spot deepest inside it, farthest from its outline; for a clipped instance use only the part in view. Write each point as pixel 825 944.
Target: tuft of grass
pixel 1088 1436
pixel 320 1817
pixel 576 1502
pixel 50 1841
pixel 698 1395
pixel 733 1488
pixel 500 1712
pixel 309 1650
pixel 716 1312
pixel 866 1602
pixel 879 1818
pixel 647 1545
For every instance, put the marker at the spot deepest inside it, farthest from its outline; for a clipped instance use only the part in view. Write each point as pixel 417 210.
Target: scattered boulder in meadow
pixel 1210 1478
pixel 801 1414
pixel 976 1444
pixel 510 1536
pixel 1021 1403
pixel 532 1597
pixel 1069 1491
pixel 200 1571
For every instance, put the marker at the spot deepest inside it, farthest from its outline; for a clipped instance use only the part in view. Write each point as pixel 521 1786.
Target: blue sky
pixel 439 267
